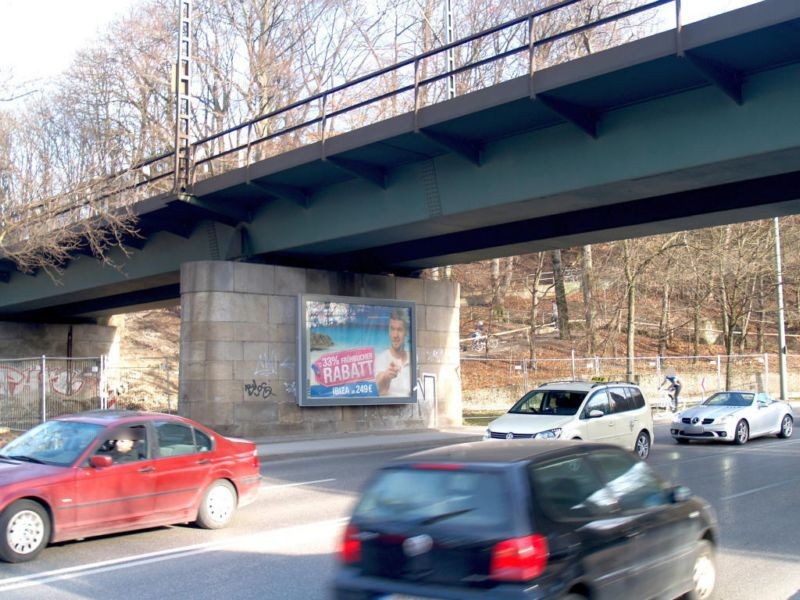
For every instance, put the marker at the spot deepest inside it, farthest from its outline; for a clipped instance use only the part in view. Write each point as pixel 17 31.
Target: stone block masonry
pixel 239 348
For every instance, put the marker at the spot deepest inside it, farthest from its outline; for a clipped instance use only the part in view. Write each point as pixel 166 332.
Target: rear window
pixel 426 496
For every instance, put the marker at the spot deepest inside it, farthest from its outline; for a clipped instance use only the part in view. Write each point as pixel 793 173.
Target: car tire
pixel 742 433
pixel 704 572
pixel 218 505
pixel 642 446
pixel 25 527
pixel 787 425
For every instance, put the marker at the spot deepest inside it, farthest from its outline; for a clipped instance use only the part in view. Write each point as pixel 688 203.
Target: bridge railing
pixel 493 55
pixel 521 46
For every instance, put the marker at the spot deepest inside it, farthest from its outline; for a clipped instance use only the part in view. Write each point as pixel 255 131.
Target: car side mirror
pixel 100 461
pixel 680 493
pixel 593 414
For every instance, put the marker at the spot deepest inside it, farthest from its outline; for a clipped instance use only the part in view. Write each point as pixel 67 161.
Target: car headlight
pixel 722 420
pixel 488 434
pixel 550 434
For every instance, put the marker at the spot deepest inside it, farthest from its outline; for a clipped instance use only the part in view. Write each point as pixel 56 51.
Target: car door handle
pixel 203 461
pixel 147 469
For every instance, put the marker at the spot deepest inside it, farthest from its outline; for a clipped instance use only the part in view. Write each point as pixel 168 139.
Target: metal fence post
pixel 42 388
pixel 103 383
pixel 766 373
pixel 573 364
pixel 719 372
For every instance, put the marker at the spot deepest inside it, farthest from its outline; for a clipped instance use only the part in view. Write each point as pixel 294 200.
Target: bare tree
pixel 561 295
pixel 587 286
pixel 637 257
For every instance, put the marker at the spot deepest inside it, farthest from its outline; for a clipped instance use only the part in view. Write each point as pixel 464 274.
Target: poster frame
pixel 304 398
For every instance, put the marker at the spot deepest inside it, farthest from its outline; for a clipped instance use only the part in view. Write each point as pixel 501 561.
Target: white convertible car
pixel 733 417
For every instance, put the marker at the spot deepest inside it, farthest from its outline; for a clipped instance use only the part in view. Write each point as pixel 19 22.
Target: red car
pixel 102 472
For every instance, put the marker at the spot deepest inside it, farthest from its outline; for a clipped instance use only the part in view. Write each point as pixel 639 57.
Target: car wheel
pixel 643 445
pixel 218 505
pixel 25 527
pixel 742 433
pixel 786 427
pixel 704 573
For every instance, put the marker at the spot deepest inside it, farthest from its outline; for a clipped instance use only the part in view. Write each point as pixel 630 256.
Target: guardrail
pixel 493 55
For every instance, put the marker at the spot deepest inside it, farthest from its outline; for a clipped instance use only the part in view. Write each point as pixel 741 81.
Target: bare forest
pixel 65 144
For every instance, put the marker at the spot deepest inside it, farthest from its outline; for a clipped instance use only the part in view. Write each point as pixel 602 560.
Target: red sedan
pixel 103 472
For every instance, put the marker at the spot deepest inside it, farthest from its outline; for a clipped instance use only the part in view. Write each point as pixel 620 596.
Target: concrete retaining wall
pixel 239 349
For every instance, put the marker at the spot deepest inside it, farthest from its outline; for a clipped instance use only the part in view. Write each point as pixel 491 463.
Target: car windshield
pixel 52 443
pixel 730 399
pixel 549 402
pixel 455 497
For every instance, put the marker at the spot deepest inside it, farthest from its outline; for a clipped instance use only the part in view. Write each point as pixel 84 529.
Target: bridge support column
pixel 239 349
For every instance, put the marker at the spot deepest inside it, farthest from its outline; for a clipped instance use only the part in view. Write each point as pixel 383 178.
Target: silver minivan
pixel 613 412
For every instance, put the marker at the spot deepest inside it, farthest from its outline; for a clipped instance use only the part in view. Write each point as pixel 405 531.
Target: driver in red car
pixel 126 448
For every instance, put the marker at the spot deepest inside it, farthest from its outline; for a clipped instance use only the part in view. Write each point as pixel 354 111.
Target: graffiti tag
pixel 259 390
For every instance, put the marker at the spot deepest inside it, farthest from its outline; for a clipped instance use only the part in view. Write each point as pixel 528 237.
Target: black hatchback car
pixel 526 519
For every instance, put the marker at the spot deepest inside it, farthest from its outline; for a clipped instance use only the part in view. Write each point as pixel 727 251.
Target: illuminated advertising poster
pixel 356 351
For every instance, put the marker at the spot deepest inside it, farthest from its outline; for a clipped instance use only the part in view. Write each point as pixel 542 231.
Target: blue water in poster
pixel 350 344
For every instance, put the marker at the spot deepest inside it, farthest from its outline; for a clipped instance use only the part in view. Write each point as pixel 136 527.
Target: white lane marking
pixel 137 560
pixel 266 488
pixel 759 489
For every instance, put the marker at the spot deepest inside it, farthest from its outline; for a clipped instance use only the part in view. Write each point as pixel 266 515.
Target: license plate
pixel 692 429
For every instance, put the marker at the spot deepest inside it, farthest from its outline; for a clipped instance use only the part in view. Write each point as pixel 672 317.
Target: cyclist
pixel 673 389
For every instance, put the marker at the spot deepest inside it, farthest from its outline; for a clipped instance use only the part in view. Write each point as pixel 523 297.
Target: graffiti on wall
pixel 65 382
pixel 259 390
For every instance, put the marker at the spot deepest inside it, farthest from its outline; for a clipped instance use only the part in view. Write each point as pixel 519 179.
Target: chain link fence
pixel 33 390
pixel 495 383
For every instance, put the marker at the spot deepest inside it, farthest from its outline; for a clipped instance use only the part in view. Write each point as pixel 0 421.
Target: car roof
pixel 111 417
pixel 501 451
pixel 579 385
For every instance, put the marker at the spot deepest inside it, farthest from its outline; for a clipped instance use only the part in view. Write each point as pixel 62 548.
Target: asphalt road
pixel 284 545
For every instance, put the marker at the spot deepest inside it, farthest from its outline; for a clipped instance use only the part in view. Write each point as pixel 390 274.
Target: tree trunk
pixel 762 316
pixel 630 349
pixel 587 283
pixel 663 324
pixel 695 332
pixel 561 296
pixel 631 343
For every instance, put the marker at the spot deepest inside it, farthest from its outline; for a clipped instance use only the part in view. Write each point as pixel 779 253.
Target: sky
pixel 39 38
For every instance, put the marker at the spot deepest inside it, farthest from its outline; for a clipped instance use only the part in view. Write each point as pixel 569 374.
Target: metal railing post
pixel 103 383
pixel 43 388
pixel 573 364
pixel 531 55
pixel 678 28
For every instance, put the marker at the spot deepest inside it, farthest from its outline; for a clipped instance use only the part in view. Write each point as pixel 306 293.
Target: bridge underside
pixel 633 141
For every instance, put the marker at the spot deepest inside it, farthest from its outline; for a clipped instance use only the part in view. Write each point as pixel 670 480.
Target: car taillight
pixel 519 559
pixel 350 550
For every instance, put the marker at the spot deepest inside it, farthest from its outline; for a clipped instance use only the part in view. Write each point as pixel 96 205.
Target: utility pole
pixel 182 108
pixel 451 61
pixel 781 324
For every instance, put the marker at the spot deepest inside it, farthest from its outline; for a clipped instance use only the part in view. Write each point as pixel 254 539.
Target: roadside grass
pixel 480 417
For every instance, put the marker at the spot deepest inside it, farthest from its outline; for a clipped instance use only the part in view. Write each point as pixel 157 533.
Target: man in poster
pixel 393 374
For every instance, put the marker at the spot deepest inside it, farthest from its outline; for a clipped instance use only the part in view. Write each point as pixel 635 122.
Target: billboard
pixel 356 351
